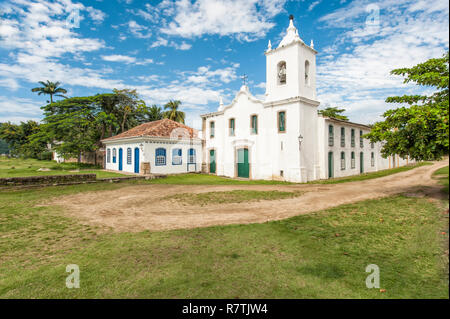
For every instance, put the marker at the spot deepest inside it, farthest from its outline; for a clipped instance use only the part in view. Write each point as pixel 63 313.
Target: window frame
pixel 307 77
pixel 129 156
pixel 342 136
pixel 114 155
pixel 342 161
pixel 193 156
pixel 108 155
pixel 254 130
pixel 352 160
pixel 180 156
pixel 158 163
pixel 212 129
pixel 278 121
pixel 361 139
pixel 330 135
pixel 372 159
pixel 353 137
pixel 278 71
pixel 232 128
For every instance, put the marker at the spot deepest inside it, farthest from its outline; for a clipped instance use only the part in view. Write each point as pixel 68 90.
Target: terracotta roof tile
pixel 161 128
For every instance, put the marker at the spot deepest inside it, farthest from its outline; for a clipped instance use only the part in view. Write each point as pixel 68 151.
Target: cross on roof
pixel 244 79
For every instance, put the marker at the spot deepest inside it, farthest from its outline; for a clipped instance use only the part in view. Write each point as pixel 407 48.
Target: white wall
pixel 147 147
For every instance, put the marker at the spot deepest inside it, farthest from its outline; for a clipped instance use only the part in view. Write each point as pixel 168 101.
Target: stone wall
pixel 47 180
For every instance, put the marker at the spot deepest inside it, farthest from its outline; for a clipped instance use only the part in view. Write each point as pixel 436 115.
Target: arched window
pixel 108 155
pixel 306 72
pixel 330 135
pixel 177 156
pixel 160 157
pixel 192 157
pixel 114 155
pixel 342 160
pixel 281 73
pixel 129 156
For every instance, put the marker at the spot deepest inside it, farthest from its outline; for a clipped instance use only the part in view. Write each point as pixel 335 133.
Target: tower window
pixel 254 124
pixel 211 129
pixel 282 121
pixel 231 127
pixel 306 72
pixel 281 73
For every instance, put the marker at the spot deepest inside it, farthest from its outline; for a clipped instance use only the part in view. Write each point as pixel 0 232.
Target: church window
pixel 231 127
pixel 342 160
pixel 353 160
pixel 191 158
pixel 282 121
pixel 177 158
pixel 361 140
pixel 330 135
pixel 254 124
pixel 114 155
pixel 306 72
pixel 160 157
pixel 129 156
pixel 342 137
pixel 281 73
pixel 108 155
pixel 211 129
pixel 353 137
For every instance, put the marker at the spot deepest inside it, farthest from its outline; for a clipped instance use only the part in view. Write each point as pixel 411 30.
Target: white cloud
pixel 118 58
pixel 359 77
pixel 19 109
pixel 313 5
pixel 138 30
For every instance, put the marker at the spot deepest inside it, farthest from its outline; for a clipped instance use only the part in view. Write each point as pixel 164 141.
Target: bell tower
pixel 290 68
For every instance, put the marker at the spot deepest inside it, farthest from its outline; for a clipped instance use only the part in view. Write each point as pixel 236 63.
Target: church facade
pixel 284 137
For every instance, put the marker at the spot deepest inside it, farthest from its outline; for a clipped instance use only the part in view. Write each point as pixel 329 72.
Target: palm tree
pixel 173 113
pixel 50 88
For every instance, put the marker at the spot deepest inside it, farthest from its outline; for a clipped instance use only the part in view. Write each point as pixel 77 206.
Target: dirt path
pixel 137 208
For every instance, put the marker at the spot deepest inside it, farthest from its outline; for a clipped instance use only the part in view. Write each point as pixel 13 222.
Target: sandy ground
pixel 138 208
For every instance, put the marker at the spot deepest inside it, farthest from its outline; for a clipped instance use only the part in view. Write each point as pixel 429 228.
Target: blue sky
pixel 197 50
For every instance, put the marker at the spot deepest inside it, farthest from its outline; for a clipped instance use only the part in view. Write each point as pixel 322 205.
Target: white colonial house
pixel 159 147
pixel 283 136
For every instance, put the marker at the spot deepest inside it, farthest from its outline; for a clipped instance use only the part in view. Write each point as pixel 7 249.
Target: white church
pixel 281 137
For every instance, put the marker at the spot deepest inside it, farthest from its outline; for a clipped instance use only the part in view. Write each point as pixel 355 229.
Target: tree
pixel 172 112
pixel 419 131
pixel 19 139
pixel 50 88
pixel 153 113
pixel 334 112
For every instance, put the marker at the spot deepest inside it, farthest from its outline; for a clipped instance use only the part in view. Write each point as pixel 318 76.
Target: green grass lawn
pixel 15 167
pixel 365 176
pixel 442 175
pixel 235 196
pixel 318 255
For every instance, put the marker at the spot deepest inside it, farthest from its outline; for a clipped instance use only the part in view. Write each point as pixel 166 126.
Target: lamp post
pixel 300 139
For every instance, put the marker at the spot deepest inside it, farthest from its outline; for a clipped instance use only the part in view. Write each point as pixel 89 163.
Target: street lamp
pixel 300 139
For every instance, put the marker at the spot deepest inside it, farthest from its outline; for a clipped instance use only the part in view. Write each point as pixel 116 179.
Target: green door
pixel 330 165
pixel 212 161
pixel 242 163
pixel 361 162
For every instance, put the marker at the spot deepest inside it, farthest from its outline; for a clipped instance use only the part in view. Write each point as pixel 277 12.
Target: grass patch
pixel 318 255
pixel 205 179
pixel 18 167
pixel 235 196
pixel 442 175
pixel 372 175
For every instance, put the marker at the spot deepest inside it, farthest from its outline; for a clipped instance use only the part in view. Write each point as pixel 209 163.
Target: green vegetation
pixel 203 179
pixel 318 255
pixel 365 176
pixel 419 130
pixel 13 167
pixel 235 196
pixel 334 112
pixel 442 175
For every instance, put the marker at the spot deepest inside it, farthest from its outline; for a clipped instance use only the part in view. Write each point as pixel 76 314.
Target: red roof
pixel 162 128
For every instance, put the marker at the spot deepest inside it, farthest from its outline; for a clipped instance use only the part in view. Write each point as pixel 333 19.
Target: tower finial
pixel 291 17
pixel 312 44
pixel 269 46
